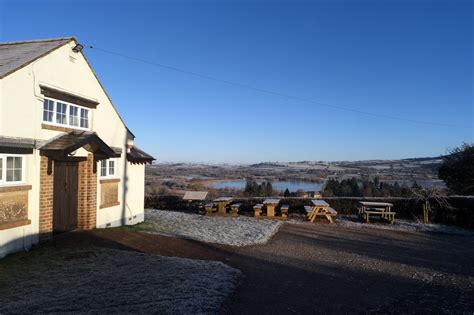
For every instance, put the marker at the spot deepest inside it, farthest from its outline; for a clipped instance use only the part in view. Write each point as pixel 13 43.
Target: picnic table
pixel 384 209
pixel 195 195
pixel 320 208
pixel 271 204
pixel 222 203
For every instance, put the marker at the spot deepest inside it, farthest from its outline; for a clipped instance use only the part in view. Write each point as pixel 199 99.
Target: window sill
pixel 109 180
pixel 62 128
pixel 110 204
pixel 11 225
pixel 14 187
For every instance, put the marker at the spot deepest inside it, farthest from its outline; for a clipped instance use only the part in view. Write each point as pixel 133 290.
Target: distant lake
pixel 292 186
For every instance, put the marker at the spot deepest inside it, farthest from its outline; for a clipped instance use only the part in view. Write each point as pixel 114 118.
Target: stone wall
pixel 14 206
pixel 109 193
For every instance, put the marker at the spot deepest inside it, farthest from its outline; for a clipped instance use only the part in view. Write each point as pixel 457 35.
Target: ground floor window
pixel 107 168
pixel 12 169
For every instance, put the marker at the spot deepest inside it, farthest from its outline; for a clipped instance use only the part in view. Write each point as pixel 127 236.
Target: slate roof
pixel 16 55
pixel 16 145
pixel 138 156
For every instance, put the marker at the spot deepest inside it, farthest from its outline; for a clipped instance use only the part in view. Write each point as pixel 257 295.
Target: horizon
pixel 289 81
pixel 289 162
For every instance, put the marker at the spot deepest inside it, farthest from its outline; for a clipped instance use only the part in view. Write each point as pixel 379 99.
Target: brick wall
pixel 46 200
pixel 87 195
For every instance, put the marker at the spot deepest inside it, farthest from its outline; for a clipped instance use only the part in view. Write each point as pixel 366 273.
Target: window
pixel 11 168
pixel 62 113
pixel 48 110
pixel 103 168
pixel 73 115
pixel 111 167
pixel 107 168
pixel 84 118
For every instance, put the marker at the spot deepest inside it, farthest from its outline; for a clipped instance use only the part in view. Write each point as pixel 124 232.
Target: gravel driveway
pixel 304 268
pixel 332 268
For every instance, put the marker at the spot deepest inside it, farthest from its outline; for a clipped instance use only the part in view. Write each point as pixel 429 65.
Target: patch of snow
pixel 234 231
pixel 118 281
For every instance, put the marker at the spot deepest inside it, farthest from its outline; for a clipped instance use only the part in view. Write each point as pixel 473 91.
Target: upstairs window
pixel 61 113
pixel 84 118
pixel 48 110
pixel 11 169
pixel 107 168
pixel 66 114
pixel 73 115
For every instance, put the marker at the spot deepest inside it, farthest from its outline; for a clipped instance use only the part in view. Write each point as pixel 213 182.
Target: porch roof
pixel 138 156
pixel 70 142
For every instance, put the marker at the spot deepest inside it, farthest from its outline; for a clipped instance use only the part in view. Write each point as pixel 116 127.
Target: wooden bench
pixel 390 216
pixel 235 208
pixel 382 209
pixel 328 213
pixel 284 211
pixel 210 208
pixel 257 209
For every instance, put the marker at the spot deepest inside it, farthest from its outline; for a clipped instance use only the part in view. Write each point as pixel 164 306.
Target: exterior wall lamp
pixel 77 48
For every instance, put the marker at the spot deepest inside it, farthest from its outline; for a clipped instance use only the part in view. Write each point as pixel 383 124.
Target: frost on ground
pixel 235 231
pixel 405 225
pixel 399 225
pixel 116 281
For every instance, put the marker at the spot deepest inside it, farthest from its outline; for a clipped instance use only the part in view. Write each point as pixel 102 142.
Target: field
pixel 175 178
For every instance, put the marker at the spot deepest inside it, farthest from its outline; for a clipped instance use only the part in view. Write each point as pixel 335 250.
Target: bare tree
pixel 429 198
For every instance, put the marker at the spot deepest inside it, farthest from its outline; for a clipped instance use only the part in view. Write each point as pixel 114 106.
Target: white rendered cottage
pixel 67 159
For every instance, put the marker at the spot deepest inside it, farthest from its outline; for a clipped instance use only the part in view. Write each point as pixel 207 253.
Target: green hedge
pixel 461 213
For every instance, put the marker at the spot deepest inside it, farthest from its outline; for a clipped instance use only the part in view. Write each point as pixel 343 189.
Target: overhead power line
pixel 275 93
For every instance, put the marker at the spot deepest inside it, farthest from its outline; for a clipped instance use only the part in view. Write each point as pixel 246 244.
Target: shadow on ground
pixel 319 268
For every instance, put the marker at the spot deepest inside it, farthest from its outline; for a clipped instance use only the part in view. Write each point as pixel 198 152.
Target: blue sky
pixel 409 59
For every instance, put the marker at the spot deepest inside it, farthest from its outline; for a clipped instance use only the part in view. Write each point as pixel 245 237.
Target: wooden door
pixel 65 197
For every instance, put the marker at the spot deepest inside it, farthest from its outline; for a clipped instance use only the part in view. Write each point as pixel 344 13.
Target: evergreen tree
pixel 415 185
pixel 287 193
pixel 268 188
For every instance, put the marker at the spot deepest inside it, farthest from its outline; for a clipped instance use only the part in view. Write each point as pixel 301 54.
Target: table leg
pixel 270 210
pixel 329 218
pixel 315 212
pixel 221 208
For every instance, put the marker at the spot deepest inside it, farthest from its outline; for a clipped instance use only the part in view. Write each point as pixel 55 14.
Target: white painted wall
pixel 24 236
pixel 21 110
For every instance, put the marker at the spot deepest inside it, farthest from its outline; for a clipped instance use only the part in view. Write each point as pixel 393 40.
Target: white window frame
pixel 49 111
pixel 3 181
pixel 67 124
pixel 107 173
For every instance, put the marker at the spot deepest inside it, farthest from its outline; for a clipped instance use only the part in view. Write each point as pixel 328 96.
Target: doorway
pixel 65 196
